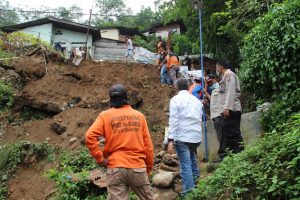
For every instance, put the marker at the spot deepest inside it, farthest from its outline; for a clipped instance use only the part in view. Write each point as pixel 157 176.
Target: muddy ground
pixel 74 96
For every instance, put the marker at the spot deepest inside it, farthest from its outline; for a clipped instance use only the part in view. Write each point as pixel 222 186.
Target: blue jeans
pixel 189 171
pixel 164 75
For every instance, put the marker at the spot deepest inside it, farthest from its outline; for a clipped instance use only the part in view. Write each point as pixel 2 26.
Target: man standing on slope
pixel 128 150
pixel 185 133
pixel 230 109
pixel 214 112
pixel 172 65
pixel 129 51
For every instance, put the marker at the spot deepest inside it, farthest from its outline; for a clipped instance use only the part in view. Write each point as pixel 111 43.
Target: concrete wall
pixel 44 31
pixel 163 31
pixel 76 39
pixel 110 34
pixel 250 128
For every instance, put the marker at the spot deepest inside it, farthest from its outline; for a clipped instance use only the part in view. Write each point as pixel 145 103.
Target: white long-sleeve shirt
pixel 185 118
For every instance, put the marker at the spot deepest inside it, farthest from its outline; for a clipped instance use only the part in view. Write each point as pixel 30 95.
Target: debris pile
pixel 73 97
pixel 167 180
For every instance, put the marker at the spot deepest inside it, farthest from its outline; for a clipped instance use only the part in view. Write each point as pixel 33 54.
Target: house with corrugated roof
pixel 54 30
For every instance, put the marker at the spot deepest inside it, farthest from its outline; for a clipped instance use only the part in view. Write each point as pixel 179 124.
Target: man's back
pixel 185 133
pixel 185 117
pixel 128 150
pixel 127 139
pixel 172 59
pixel 129 44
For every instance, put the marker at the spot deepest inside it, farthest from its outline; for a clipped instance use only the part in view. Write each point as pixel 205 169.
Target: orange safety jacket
pixel 128 142
pixel 172 60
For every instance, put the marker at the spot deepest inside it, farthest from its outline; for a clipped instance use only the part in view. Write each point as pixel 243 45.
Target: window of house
pixel 58 32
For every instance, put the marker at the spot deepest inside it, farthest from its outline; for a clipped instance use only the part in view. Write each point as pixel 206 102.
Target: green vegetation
pixel 15 43
pixel 270 67
pixel 268 169
pixel 7 18
pixel 81 188
pixel 271 52
pixel 14 154
pixel 10 15
pixel 182 44
pixel 5 54
pixel 6 96
pixel 71 177
pixel 281 109
pixel 150 44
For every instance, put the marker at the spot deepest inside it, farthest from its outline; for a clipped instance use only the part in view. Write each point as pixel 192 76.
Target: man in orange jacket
pixel 172 65
pixel 128 151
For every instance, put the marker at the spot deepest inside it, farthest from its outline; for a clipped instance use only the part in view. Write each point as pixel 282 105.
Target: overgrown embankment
pixel 268 169
pixel 22 153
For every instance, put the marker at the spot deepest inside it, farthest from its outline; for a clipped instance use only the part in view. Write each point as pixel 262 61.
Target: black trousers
pixel 229 133
pixel 217 124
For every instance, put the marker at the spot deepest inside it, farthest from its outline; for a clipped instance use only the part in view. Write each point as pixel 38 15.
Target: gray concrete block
pixel 250 127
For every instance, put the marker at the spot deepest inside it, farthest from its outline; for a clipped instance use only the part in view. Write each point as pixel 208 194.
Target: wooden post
pixel 87 35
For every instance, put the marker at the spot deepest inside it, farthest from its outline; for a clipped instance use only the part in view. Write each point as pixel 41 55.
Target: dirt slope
pixel 29 182
pixel 77 95
pixel 81 93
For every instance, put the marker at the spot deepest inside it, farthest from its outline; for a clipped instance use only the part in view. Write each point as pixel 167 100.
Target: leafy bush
pixel 271 52
pixel 268 169
pixel 149 44
pixel 82 188
pixel 5 54
pixel 182 43
pixel 16 42
pixel 14 154
pixel 6 96
pixel 281 109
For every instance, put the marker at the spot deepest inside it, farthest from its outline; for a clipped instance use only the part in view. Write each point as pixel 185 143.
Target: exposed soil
pixel 29 182
pixel 77 95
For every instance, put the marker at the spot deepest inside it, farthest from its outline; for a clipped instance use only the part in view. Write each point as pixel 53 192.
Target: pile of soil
pixel 76 95
pixel 79 94
pixel 31 183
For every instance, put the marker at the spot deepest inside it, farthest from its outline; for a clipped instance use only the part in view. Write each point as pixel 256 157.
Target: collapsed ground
pixel 66 101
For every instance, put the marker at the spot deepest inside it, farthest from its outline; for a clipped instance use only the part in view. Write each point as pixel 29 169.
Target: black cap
pixel 118 96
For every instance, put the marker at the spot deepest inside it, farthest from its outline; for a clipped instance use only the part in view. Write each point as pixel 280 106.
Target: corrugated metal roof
pixel 60 23
pixel 130 31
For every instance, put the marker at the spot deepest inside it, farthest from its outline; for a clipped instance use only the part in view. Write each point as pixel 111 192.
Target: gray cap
pixel 118 95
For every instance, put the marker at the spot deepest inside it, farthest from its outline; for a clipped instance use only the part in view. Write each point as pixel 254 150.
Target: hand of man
pixel 226 113
pixel 170 148
pixel 103 163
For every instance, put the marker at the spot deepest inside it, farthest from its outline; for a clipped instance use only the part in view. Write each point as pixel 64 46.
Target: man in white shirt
pixel 129 48
pixel 185 133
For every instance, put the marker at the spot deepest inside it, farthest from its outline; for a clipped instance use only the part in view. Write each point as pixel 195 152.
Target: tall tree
pixel 145 18
pixel 109 10
pixel 232 23
pixel 7 17
pixel 71 13
pixel 225 23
